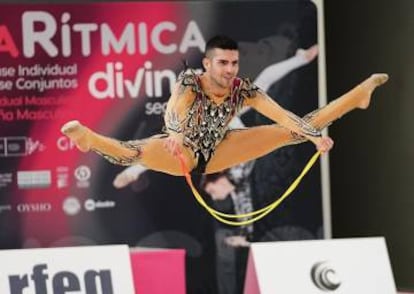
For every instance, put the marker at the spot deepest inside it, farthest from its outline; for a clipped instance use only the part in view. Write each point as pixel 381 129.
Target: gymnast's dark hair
pixel 221 42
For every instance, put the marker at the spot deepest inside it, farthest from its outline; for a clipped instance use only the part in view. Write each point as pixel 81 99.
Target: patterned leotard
pixel 206 122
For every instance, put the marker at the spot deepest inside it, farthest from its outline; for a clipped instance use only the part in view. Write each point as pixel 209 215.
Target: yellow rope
pixel 255 215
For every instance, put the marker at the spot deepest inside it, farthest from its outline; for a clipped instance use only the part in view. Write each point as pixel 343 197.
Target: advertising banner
pixel 354 265
pixel 95 269
pixel 111 66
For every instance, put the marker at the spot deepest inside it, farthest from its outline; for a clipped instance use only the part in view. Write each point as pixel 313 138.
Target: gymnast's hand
pixel 324 144
pixel 173 145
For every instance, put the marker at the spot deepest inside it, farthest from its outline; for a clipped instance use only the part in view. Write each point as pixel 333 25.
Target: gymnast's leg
pixel 149 152
pixel 248 144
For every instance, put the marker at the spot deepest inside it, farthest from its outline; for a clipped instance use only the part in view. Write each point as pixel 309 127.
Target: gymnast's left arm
pixel 264 104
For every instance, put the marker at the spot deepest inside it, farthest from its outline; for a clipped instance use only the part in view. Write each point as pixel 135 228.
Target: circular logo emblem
pixel 71 206
pixel 325 277
pixel 89 205
pixel 82 173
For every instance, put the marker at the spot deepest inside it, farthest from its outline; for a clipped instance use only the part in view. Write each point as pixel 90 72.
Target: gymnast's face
pixel 222 66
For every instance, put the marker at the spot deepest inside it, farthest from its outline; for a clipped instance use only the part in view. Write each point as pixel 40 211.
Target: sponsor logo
pixel 92 205
pixel 19 146
pixel 63 143
pixel 71 205
pixel 5 179
pixel 39 280
pixel 325 277
pixel 82 174
pixel 34 207
pixel 5 208
pixel 62 177
pixel 34 179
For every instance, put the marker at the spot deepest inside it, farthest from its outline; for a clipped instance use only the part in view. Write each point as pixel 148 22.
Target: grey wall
pixel 372 177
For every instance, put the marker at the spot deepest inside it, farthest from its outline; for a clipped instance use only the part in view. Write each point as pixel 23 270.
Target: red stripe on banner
pixel 144 20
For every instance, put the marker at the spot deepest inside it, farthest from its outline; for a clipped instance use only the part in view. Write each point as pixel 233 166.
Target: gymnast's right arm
pixel 174 117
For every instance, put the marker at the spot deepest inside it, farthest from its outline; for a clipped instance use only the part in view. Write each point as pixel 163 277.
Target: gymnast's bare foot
pixel 370 84
pixel 309 54
pixel 128 175
pixel 77 133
